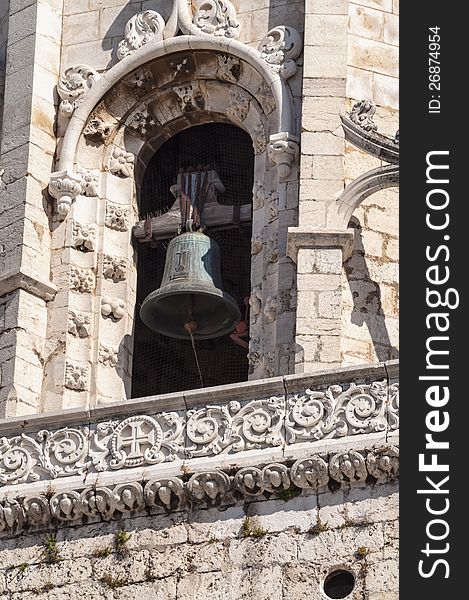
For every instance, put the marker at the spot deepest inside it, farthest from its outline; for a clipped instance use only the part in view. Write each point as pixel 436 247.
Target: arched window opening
pixel 162 364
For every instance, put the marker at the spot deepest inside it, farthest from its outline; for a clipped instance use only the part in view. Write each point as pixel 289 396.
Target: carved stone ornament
pixel 65 186
pixel 255 302
pixel 140 121
pixel 117 216
pixel 79 324
pixel 337 412
pixel 97 130
pixel 229 68
pixel 283 152
pixel 114 308
pixel 73 84
pixel 217 17
pixel 84 237
pixel 139 30
pixel 384 463
pixel 190 97
pixel 121 163
pixel 258 195
pixel 270 309
pixel 259 138
pixel 82 280
pixel 135 442
pixel 256 245
pixel 238 107
pixel 362 114
pixel 108 356
pixel 89 181
pixel 272 249
pixel 280 48
pixel 76 376
pixel 114 268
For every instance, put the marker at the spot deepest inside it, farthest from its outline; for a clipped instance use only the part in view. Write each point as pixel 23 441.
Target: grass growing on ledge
pixel 319 527
pixel 362 552
pixel 103 552
pixel 121 539
pixel 250 529
pixel 288 494
pixel 51 551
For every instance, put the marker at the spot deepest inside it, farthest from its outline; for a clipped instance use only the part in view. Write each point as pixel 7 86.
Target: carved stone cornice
pixel 206 488
pixel 370 141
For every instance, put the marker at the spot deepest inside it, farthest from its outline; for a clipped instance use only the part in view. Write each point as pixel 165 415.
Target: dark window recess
pixel 161 364
pixel 339 584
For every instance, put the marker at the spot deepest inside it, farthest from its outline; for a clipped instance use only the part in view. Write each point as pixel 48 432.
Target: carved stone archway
pixel 128 112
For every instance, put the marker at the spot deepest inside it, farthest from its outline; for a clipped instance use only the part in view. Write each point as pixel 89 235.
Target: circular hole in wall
pixel 339 584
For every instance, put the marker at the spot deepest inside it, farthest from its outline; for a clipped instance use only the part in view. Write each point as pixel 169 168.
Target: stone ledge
pixel 242 425
pixel 44 290
pixel 319 239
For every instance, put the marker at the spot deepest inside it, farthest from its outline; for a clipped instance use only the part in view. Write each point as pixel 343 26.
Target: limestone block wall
pixel 285 549
pixel 370 282
pixel 4 10
pixel 27 150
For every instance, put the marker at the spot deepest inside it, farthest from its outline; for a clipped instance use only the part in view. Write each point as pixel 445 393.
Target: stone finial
pixel 283 152
pixel 140 29
pixel 65 186
pixel 280 48
pixel 73 84
pixel 217 17
pixel 362 114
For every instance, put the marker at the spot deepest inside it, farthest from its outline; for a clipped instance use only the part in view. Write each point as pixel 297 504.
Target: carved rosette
pixel 108 355
pixel 283 152
pixel 280 48
pixel 89 181
pixel 217 17
pixel 76 376
pixel 121 163
pixel 139 30
pixel 117 217
pixel 79 324
pixel 84 237
pixel 73 84
pixel 65 186
pixel 114 268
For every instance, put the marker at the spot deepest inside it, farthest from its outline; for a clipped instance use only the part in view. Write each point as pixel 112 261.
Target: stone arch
pixel 127 114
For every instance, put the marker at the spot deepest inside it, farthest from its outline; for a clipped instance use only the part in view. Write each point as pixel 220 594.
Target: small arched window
pixel 162 364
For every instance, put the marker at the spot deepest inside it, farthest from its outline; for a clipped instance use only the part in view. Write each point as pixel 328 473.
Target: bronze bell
pixel 191 297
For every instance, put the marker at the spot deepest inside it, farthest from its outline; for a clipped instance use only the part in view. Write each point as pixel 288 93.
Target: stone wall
pixel 373 53
pixel 4 10
pixel 370 281
pixel 102 24
pixel 285 549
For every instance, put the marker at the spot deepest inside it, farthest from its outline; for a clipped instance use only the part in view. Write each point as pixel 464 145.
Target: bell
pixel 191 300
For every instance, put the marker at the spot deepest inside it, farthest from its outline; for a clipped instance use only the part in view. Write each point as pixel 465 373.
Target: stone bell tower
pixel 293 457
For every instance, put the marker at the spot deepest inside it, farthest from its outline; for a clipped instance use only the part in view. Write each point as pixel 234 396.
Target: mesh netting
pixel 162 364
